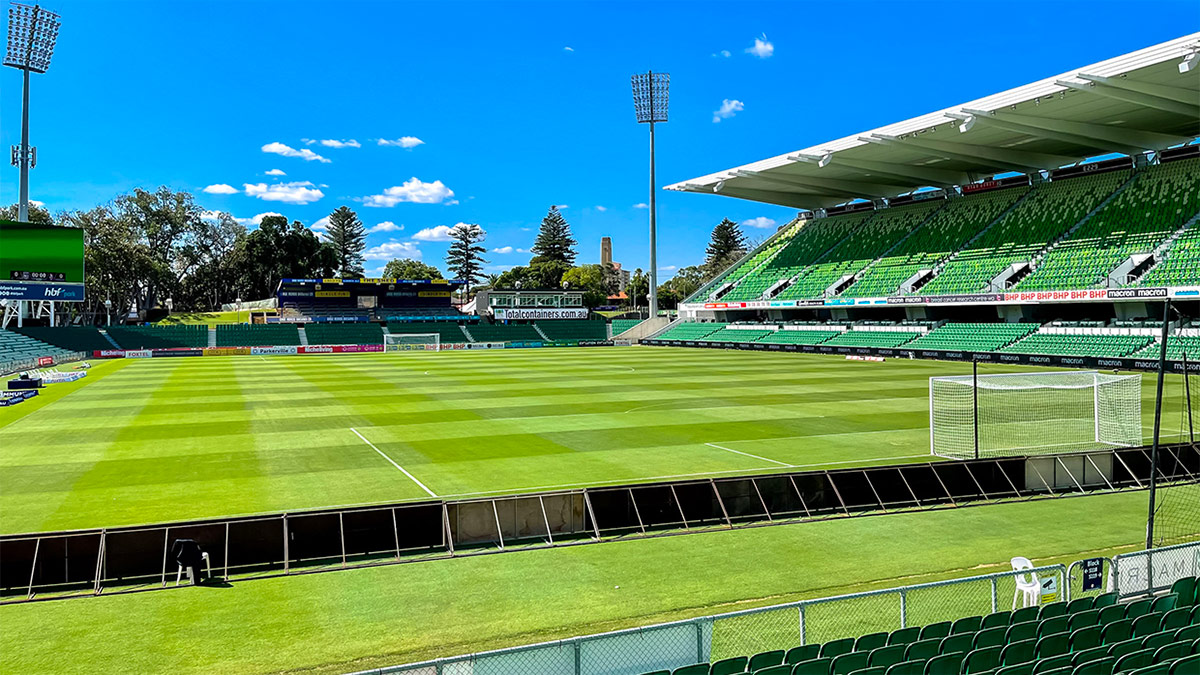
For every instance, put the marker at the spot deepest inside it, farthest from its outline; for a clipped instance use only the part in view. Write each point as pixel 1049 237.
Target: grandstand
pixel 345 334
pixel 255 335
pixel 159 337
pixel 71 338
pixel 573 330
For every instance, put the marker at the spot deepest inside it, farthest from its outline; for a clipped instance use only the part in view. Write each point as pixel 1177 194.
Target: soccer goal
pixel 1033 413
pixel 410 342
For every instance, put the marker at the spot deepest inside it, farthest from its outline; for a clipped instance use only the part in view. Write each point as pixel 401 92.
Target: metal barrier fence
pixel 1154 570
pixel 10 366
pixel 711 638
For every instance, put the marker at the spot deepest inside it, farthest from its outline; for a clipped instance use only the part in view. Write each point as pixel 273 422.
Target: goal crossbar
pixel 408 342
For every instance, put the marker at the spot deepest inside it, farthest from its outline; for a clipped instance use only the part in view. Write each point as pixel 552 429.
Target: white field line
pixel 393 463
pixel 746 454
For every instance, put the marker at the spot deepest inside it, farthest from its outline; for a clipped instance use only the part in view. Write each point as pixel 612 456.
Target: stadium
pixel 940 423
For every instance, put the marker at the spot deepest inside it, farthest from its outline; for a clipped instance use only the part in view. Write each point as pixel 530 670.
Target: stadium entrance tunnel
pixel 39 566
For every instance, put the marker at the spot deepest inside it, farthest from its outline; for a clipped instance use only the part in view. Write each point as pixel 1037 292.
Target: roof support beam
pixel 996 158
pixel 851 188
pixel 1137 98
pixel 910 177
pixel 1162 91
pixel 1081 133
pixel 789 199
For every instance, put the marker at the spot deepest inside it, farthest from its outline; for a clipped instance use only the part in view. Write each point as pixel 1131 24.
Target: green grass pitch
pixel 175 439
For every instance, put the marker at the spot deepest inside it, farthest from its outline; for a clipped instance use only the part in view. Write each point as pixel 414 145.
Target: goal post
pixel 1014 414
pixel 411 342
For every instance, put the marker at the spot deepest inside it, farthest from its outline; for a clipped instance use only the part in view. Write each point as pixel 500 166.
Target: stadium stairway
pixel 541 332
pixel 212 336
pixel 1086 636
pixel 467 333
pixel 303 335
pixel 110 339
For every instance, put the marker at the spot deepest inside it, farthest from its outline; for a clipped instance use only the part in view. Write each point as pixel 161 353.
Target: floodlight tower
pixel 650 105
pixel 32 32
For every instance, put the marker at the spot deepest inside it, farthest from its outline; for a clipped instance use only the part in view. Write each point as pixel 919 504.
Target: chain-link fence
pixel 1154 570
pixel 712 638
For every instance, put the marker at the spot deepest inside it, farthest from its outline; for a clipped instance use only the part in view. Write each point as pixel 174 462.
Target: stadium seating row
pixel 1015 338
pixel 16 347
pixel 159 337
pixel 1086 636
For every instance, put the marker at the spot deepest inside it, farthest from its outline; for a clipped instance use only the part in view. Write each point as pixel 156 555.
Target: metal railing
pixel 1154 570
pixel 711 638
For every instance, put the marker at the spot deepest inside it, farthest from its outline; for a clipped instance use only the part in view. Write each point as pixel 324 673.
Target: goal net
pixel 1033 413
pixel 409 342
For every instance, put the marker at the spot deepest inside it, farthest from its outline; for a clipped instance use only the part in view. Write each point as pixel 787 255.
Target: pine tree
pixel 465 256
pixel 348 237
pixel 554 241
pixel 727 245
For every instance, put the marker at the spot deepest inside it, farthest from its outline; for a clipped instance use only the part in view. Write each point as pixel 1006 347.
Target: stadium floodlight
pixel 1189 63
pixel 32 34
pixel 650 96
pixel 967 124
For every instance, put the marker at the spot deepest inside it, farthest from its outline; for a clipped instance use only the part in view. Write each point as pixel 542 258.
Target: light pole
pixel 32 32
pixel 108 309
pixel 650 105
pixel 239 310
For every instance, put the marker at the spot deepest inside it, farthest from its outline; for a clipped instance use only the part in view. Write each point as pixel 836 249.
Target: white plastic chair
pixel 191 577
pixel 1028 585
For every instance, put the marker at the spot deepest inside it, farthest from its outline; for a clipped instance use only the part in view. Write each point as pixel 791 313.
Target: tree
pixel 37 214
pixel 726 246
pixel 465 256
pixel 166 223
pixel 348 237
pixel 589 280
pixel 687 280
pixel 277 251
pixel 638 288
pixel 407 268
pixel 554 241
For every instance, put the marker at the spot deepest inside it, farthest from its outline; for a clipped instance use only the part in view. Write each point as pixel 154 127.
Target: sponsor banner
pixel 859 357
pixel 433 294
pixel 28 290
pixel 13 397
pixel 226 351
pixel 454 345
pixel 45 361
pixel 357 349
pixel 296 294
pixel 332 294
pixel 406 347
pixel 317 349
pixel 595 343
pixel 505 314
pixel 622 343
pixel 158 353
pixel 989 185
pixel 486 345
pixel 1093 168
pixel 108 354
pixel 138 353
pixel 273 351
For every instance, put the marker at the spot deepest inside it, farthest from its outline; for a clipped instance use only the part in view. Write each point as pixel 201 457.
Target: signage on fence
pixel 1093 574
pixel 272 351
pixel 542 313
pixel 1049 590
pixel 45 360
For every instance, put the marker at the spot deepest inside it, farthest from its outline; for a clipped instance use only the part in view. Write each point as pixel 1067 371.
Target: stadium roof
pixel 1144 100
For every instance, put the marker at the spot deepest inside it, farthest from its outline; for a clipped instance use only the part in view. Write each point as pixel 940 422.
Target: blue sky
pixel 494 111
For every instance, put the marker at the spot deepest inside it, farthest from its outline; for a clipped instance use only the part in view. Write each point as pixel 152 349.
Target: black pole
pixel 1187 395
pixel 1158 398
pixel 975 406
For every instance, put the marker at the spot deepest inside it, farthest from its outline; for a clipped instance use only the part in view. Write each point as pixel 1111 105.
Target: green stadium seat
pixel 1053 645
pixel 1156 640
pixel 774 670
pixel 923 650
pixel 1134 660
pixel 1016 669
pixel 945 664
pixel 1102 666
pixel 1087 637
pixel 1165 603
pixel 1080 605
pixel 569 330
pixel 818 666
pixel 848 663
pixel 1020 651
pixel 1088 655
pixel 1022 631
pixel 1153 669
pixel 870 641
pixel 1051 663
pixel 835 648
pixel 905 636
pixel 990 637
pixel 912 667
pixel 765 659
pixel 871 670
pixel 1105 600
pixel 1052 610
pixel 1185 588
pixel 1024 615
pixel 1060 671
pixel 982 660
pixel 968 624
pixel 936 630
pixel 1124 647
pixel 996 619
pixel 1110 614
pixel 959 642
pixel 658 672
pixel 1187 665
pixel 1087 617
pixel 1146 624
pixel 1176 618
pixel 1055 624
pixel 802 653
pixel 1117 631
pixel 1189 632
pixel 887 656
pixel 695 669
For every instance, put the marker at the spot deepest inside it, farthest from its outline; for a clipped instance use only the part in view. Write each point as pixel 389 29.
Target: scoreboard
pixel 41 262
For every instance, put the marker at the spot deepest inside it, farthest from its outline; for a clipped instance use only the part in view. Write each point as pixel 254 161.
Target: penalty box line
pixel 393 463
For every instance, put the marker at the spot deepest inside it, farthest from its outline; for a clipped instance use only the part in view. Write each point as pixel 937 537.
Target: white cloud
pixel 308 141
pixel 278 148
pixel 601 209
pixel 407 142
pixel 761 222
pixel 386 226
pixel 498 268
pixel 207 215
pixel 334 143
pixel 393 249
pixel 301 192
pixel 276 172
pixel 641 205
pixel 415 191
pixel 439 233
pixel 562 207
pixel 256 220
pixel 568 49
pixel 668 268
pixel 762 48
pixel 724 53
pixel 503 249
pixel 220 189
pixel 320 225
pixel 37 203
pixel 728 109
pixel 522 250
